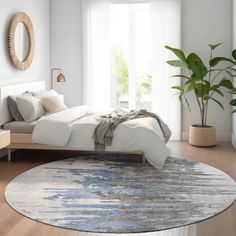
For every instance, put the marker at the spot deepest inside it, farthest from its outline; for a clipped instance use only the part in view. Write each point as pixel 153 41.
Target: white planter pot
pixel 202 136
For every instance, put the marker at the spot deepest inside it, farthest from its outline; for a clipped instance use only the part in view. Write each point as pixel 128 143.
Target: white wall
pixel 38 10
pixel 66 48
pixel 204 22
pixel 39 14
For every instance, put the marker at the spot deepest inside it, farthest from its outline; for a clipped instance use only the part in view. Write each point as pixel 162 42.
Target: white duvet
pixel 73 129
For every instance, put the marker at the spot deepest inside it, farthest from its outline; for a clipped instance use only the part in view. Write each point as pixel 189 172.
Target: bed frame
pixel 24 141
pixel 20 140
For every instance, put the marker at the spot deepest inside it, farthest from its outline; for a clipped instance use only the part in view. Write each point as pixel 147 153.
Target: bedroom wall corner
pixel 39 14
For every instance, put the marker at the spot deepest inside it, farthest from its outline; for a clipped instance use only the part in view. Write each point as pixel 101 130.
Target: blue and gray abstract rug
pixel 112 195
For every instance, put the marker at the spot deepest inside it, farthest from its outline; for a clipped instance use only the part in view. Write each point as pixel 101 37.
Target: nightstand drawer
pixel 5 137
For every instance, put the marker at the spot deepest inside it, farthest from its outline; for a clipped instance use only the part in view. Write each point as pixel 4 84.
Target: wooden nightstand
pixel 5 140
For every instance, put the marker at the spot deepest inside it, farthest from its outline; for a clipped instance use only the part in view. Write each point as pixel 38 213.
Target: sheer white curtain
pixel 166 30
pixel 96 52
pixel 165 27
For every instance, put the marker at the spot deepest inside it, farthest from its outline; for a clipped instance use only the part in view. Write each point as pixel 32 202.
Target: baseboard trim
pixel 220 136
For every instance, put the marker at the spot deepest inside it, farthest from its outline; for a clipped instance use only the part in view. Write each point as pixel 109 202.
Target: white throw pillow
pixel 30 107
pixel 44 93
pixel 53 104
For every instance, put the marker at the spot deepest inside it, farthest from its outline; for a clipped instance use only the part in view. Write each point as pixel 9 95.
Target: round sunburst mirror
pixel 21 41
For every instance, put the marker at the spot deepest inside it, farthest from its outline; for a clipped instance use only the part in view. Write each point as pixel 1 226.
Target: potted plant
pixel 205 82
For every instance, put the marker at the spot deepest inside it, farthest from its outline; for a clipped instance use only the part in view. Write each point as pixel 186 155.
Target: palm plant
pixel 205 82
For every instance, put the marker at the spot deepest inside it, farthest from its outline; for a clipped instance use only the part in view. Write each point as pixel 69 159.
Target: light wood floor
pixel 223 156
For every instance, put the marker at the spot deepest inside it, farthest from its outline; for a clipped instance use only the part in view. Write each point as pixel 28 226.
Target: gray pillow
pixel 30 107
pixel 14 111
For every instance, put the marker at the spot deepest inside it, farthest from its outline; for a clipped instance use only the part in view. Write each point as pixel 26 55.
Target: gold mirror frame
pixel 21 17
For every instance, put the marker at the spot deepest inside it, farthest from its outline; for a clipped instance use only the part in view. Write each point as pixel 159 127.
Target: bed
pixel 140 136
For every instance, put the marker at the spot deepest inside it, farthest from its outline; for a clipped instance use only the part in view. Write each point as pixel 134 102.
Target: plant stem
pixel 200 108
pixel 203 109
pixel 199 104
pixel 206 113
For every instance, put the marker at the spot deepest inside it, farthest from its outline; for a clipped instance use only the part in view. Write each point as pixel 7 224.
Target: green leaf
pixel 177 52
pixel 190 87
pixel 219 92
pixel 181 76
pixel 201 90
pixel 177 63
pixel 190 81
pixel 233 111
pixel 216 60
pixel 196 65
pixel 206 82
pixel 184 101
pixel 214 46
pixel 180 88
pixel 217 102
pixel 233 102
pixel 234 54
pixel 233 91
pixel 194 79
pixel 216 89
pixel 226 84
pixel 213 87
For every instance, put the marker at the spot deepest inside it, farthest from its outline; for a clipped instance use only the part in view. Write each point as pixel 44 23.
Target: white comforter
pixel 73 130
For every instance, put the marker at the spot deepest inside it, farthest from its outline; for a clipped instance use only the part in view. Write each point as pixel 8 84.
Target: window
pixel 124 56
pixel 131 55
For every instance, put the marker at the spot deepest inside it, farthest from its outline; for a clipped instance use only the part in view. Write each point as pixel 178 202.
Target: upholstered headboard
pixel 15 90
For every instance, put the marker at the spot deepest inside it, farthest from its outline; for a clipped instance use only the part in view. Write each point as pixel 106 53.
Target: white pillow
pixel 44 93
pixel 53 104
pixel 30 107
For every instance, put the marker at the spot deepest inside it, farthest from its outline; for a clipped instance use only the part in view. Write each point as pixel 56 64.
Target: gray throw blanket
pixel 103 133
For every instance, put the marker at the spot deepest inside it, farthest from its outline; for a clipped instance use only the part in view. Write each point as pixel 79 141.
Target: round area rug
pixel 109 195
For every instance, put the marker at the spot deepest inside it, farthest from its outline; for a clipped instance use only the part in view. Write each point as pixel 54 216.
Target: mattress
pixel 20 127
